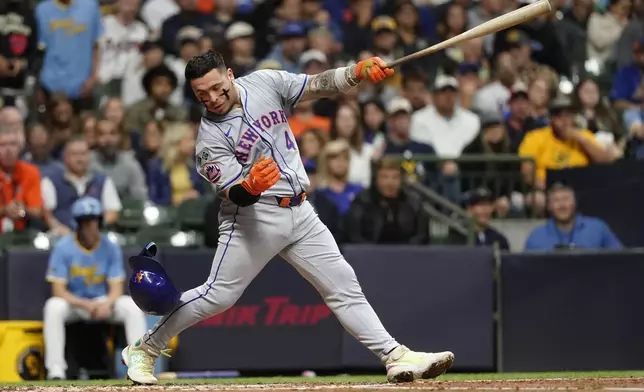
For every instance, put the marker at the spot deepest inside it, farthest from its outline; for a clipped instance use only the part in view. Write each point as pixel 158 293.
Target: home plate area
pixel 585 384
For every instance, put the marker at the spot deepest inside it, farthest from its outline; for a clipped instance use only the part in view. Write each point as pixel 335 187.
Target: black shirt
pixel 18 39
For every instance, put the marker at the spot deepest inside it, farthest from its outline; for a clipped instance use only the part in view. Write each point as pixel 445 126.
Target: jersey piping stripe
pixel 232 231
pixel 269 135
pixel 226 185
pixel 299 95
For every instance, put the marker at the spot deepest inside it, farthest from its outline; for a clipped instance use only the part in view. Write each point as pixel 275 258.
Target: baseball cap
pixel 559 104
pixel 149 45
pixel 518 90
pixel 312 55
pixel 516 37
pixel 444 82
pixel 239 30
pixel 381 23
pixel 480 195
pixel 399 104
pixel 292 30
pixel 490 119
pixel 189 34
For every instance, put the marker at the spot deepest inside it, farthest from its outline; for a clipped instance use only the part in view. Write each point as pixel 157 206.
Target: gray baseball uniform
pixel 227 147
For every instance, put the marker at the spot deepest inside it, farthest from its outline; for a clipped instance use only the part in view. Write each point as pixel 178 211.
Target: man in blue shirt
pixel 86 274
pixel 68 32
pixel 567 229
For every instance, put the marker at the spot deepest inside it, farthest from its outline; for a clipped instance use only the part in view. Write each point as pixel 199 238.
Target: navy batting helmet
pixel 150 286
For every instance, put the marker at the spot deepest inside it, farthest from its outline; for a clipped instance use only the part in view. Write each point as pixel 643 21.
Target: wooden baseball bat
pixel 499 23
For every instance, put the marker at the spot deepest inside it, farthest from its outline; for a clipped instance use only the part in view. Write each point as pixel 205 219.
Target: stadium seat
pixel 191 214
pixel 131 218
pixel 161 235
pixel 21 238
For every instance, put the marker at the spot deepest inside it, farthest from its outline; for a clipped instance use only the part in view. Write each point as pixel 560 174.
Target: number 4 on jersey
pixel 289 143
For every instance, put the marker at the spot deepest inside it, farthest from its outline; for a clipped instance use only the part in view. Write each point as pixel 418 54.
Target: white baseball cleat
pixel 404 365
pixel 139 360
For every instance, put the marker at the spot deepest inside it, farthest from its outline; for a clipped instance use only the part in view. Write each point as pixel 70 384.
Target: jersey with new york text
pixel 228 145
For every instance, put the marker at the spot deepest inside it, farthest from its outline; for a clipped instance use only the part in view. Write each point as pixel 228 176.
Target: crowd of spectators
pixel 94 103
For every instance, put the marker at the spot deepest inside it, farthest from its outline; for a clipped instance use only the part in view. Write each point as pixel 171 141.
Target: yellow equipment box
pixel 21 351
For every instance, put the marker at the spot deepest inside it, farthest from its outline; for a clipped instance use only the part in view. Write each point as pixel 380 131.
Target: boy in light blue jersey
pixel 86 274
pixel 68 32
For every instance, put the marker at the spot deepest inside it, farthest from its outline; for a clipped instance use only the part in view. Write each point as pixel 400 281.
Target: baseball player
pixel 86 273
pixel 247 150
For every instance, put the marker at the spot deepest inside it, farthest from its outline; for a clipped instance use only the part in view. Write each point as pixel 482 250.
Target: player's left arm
pixel 293 88
pixel 343 79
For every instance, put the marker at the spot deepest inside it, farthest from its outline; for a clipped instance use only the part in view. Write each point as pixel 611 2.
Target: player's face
pixel 89 229
pixel 562 205
pixel 215 90
pixel 388 182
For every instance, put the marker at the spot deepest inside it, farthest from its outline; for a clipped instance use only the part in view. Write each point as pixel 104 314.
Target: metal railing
pixel 500 173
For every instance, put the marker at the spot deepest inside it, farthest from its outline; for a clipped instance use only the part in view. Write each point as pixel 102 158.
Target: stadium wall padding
pixel 573 311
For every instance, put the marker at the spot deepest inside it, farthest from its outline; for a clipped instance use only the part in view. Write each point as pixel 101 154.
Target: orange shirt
pixel 316 122
pixel 24 186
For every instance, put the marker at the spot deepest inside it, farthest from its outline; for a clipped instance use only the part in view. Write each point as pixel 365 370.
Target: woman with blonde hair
pixel 333 175
pixel 334 193
pixel 171 177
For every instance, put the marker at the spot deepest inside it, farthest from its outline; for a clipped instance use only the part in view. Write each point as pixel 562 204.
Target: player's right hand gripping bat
pixel 499 23
pixel 263 175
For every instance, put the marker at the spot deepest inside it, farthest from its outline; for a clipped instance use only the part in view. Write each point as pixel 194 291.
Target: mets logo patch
pixel 212 172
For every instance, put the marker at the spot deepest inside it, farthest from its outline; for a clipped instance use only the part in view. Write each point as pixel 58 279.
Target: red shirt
pixel 22 185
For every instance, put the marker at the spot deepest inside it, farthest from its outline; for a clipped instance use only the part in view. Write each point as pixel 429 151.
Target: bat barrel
pixel 499 23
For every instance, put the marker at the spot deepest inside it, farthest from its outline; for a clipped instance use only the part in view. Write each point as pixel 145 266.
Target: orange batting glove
pixel 263 175
pixel 373 69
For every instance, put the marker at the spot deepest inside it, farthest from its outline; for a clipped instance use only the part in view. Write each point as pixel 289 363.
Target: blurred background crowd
pixel 93 101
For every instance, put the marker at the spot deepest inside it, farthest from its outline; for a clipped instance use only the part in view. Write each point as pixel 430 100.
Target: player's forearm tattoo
pixel 331 82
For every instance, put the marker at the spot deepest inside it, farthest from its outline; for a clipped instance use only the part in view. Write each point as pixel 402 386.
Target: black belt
pixel 293 201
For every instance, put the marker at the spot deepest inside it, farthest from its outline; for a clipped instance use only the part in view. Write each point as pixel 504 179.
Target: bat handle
pixel 404 59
